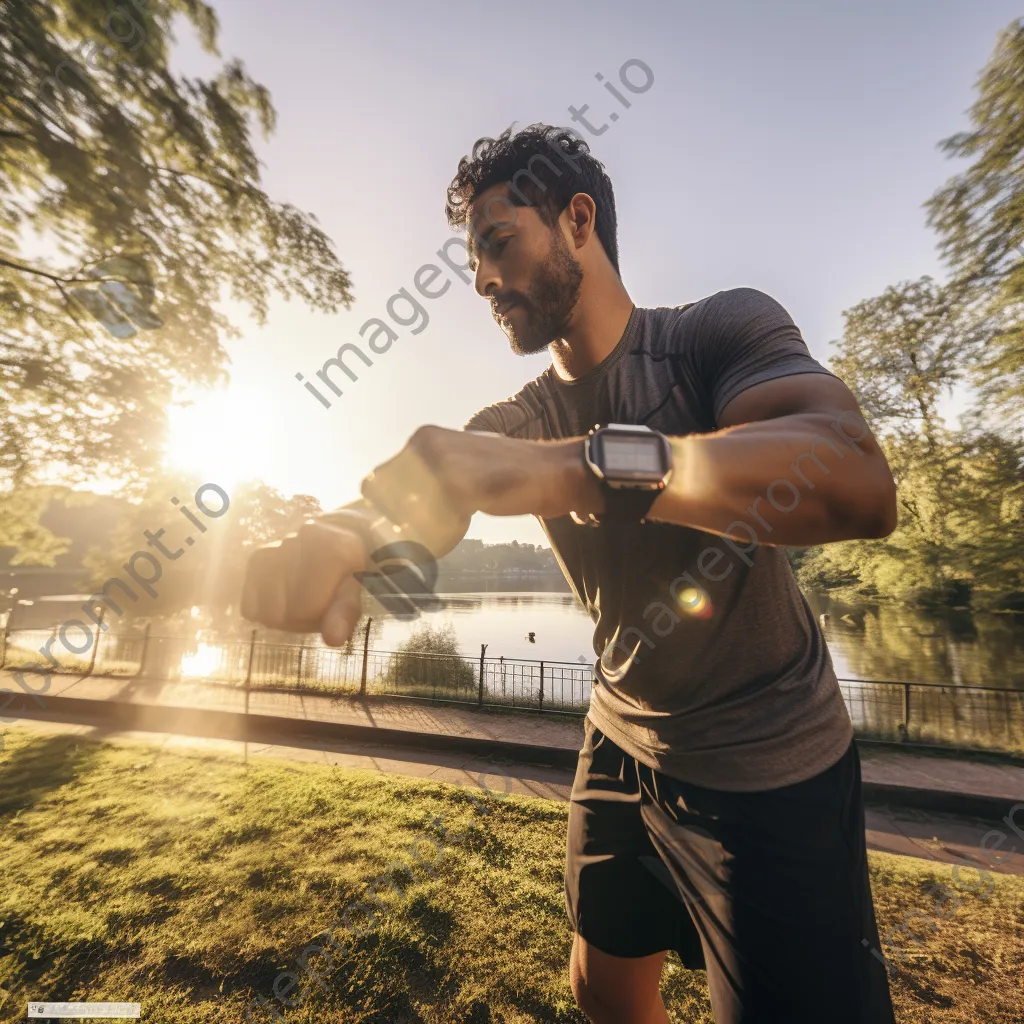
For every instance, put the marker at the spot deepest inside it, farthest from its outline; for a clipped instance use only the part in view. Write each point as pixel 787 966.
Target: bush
pixel 430 657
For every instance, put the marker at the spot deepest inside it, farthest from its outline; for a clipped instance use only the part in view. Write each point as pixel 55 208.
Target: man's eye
pixel 500 246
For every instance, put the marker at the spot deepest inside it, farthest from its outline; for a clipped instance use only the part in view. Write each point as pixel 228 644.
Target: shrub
pixel 430 656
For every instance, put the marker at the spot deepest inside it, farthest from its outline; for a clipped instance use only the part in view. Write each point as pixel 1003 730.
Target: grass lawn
pixel 191 882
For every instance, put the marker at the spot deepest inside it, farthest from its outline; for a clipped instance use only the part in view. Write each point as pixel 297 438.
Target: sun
pixel 220 435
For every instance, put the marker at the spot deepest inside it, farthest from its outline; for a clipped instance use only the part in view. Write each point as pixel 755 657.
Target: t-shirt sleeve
pixel 746 337
pixel 486 419
pixel 518 416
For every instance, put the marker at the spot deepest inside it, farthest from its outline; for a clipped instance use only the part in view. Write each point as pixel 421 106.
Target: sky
pixel 786 146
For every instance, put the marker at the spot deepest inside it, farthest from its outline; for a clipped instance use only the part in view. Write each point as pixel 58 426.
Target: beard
pixel 544 314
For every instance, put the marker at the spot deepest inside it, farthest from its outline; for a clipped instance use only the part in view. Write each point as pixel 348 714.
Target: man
pixel 716 808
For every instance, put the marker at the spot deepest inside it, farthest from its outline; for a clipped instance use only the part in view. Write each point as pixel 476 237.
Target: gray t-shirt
pixel 709 669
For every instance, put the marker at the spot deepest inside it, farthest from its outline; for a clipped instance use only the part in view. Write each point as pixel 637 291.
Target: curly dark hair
pixel 509 158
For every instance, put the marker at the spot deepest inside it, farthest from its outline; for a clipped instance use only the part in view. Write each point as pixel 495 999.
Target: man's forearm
pixel 806 478
pixel 802 479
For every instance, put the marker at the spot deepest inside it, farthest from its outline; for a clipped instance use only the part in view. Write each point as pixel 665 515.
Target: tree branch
pixel 69 306
pixel 21 268
pixel 57 279
pixel 231 189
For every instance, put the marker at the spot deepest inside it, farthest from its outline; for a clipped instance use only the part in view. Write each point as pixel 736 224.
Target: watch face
pixel 633 456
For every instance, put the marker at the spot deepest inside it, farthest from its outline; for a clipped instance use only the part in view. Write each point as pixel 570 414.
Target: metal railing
pixel 972 717
pixel 918 713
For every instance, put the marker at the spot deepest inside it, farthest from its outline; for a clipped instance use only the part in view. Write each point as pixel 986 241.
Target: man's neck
pixel 598 323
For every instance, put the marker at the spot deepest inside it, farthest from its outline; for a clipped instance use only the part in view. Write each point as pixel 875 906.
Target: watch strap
pixel 626 504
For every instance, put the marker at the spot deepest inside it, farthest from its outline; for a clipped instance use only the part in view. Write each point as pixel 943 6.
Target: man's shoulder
pixel 518 416
pixel 721 314
pixel 729 302
pixel 746 303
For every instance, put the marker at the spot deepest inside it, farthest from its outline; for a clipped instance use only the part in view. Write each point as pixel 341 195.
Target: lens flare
pixel 696 603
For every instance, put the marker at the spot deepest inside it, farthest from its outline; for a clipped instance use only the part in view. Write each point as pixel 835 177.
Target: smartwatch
pixel 632 464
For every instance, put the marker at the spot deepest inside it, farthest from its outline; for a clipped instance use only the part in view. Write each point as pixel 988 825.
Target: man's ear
pixel 581 219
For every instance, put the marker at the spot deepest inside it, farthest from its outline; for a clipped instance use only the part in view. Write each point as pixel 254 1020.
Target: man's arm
pixel 794 462
pixel 794 456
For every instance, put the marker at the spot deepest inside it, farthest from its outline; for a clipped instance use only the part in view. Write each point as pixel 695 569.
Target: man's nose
pixel 487 280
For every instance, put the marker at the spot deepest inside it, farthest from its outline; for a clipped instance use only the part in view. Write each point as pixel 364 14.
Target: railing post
pixel 145 648
pixel 480 691
pixel 298 674
pixel 906 712
pixel 248 668
pixel 252 651
pixel 541 705
pixel 96 646
pixel 366 652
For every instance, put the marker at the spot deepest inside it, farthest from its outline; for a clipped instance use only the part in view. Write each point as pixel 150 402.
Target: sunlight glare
pixel 221 436
pixel 204 662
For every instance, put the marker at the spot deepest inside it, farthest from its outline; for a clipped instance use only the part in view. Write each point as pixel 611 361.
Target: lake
pixel 881 642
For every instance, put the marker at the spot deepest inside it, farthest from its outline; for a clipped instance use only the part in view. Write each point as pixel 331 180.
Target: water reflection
pixel 907 645
pixel 562 629
pixel 882 642
pixel 878 642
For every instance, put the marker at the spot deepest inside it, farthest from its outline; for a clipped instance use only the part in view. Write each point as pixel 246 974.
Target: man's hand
pixel 305 583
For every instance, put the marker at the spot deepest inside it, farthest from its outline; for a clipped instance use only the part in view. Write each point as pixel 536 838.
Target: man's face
pixel 525 268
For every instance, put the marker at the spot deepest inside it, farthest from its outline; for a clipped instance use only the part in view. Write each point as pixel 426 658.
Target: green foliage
pixel 430 656
pixel 979 215
pixel 20 527
pixel 131 203
pixel 902 351
pixel 960 531
pixel 472 555
pixel 432 640
pixel 210 572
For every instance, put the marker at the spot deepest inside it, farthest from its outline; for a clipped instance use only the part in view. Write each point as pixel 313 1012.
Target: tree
pixel 900 353
pixel 979 215
pixel 958 490
pixel 209 573
pixel 961 491
pixel 21 529
pixel 987 518
pixel 130 205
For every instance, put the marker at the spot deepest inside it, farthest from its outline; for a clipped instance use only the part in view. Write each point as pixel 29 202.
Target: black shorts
pixel 767 891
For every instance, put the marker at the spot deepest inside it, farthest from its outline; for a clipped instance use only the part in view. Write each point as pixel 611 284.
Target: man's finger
pixel 342 613
pixel 321 557
pixel 263 590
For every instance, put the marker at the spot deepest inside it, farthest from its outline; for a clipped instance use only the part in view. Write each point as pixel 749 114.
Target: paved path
pixel 945 839
pixel 882 765
pixel 548 729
